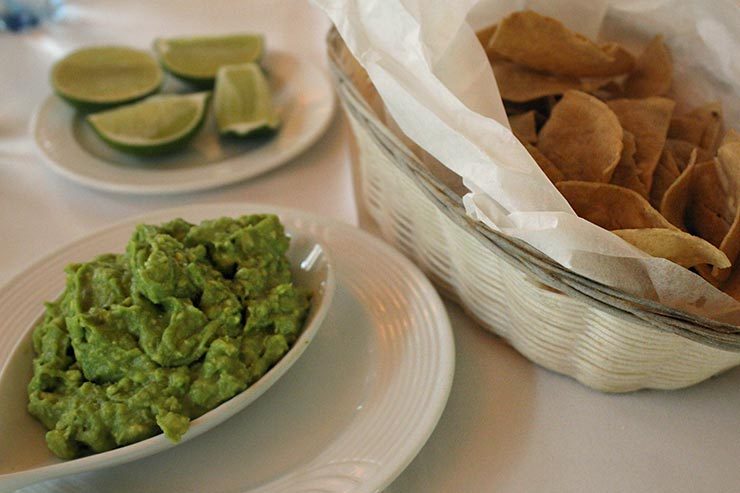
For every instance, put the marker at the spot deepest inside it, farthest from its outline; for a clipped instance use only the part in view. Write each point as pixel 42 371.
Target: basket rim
pixel 698 328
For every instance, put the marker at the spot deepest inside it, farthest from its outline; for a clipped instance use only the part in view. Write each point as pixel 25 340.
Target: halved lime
pixel 155 125
pixel 104 76
pixel 243 101
pixel 196 60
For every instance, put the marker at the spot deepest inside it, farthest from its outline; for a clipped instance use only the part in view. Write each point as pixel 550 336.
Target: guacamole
pixel 146 341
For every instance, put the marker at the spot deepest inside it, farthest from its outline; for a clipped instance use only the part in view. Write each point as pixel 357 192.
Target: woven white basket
pixel 604 338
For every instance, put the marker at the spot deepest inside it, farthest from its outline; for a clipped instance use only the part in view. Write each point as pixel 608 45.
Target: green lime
pixel 105 76
pixel 155 125
pixel 196 60
pixel 243 102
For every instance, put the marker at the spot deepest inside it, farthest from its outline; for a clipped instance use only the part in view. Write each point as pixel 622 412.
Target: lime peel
pixel 155 125
pixel 243 101
pixel 197 59
pixel 101 77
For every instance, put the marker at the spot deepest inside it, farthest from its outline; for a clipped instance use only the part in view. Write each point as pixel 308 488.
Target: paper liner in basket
pixel 433 76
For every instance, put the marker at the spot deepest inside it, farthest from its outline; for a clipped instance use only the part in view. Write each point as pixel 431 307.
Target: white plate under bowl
pixel 301 91
pixel 349 415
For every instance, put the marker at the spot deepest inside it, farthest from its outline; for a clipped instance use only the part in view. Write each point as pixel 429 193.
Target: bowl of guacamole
pixel 188 325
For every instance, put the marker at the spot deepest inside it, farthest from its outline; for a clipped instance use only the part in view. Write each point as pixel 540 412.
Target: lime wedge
pixel 104 76
pixel 156 125
pixel 196 60
pixel 243 102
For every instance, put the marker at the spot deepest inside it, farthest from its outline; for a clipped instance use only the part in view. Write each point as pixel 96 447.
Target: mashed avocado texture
pixel 143 342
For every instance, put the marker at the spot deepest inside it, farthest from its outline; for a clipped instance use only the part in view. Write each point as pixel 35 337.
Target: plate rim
pixel 217 180
pixel 438 394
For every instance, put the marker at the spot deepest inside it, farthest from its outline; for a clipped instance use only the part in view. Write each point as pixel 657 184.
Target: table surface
pixel 509 425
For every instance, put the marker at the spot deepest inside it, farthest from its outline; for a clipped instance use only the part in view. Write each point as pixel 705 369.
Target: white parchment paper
pixel 434 78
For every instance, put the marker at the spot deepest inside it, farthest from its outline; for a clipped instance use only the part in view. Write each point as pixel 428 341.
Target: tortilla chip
pixel 731 247
pixel 686 128
pixel 676 197
pixel 653 74
pixel 524 126
pixel 710 139
pixel 519 84
pixel 648 120
pixel 707 112
pixel 682 150
pixel 626 174
pixel 665 174
pixel 678 247
pixel 624 61
pixel 732 285
pixel 708 214
pixel 731 135
pixel 550 102
pixel 545 44
pixel 582 137
pixel 602 88
pixel 484 35
pixel 728 159
pixel 706 223
pixel 552 171
pixel 707 190
pixel 701 126
pixel 540 106
pixel 611 206
pixel 595 84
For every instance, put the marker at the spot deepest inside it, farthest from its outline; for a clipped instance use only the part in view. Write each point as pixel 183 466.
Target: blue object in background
pixel 18 15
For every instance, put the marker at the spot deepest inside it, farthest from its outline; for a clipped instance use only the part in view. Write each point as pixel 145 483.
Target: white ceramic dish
pixel 350 414
pixel 303 95
pixel 311 270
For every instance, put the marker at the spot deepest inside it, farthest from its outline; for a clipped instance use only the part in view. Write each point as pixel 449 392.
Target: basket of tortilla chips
pixel 604 126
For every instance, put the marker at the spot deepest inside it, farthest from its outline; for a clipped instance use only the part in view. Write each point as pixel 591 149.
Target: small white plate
pixel 348 416
pixel 302 94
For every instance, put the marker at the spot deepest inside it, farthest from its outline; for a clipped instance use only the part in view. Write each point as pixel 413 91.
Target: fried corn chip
pixel 675 199
pixel 484 35
pixel 540 106
pixel 550 102
pixel 731 247
pixel 545 44
pixel 712 135
pixel 687 128
pixel 648 120
pixel 708 213
pixel 712 115
pixel 707 190
pixel 626 174
pixel 611 206
pixel 583 138
pixel 679 247
pixel 624 61
pixel 731 135
pixel 552 171
pixel 524 126
pixel 520 84
pixel 603 88
pixel 614 147
pixel 653 74
pixel 701 126
pixel 706 223
pixel 665 174
pixel 732 285
pixel 728 159
pixel 682 150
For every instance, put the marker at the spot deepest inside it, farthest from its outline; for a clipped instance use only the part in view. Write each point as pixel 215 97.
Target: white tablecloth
pixel 509 425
